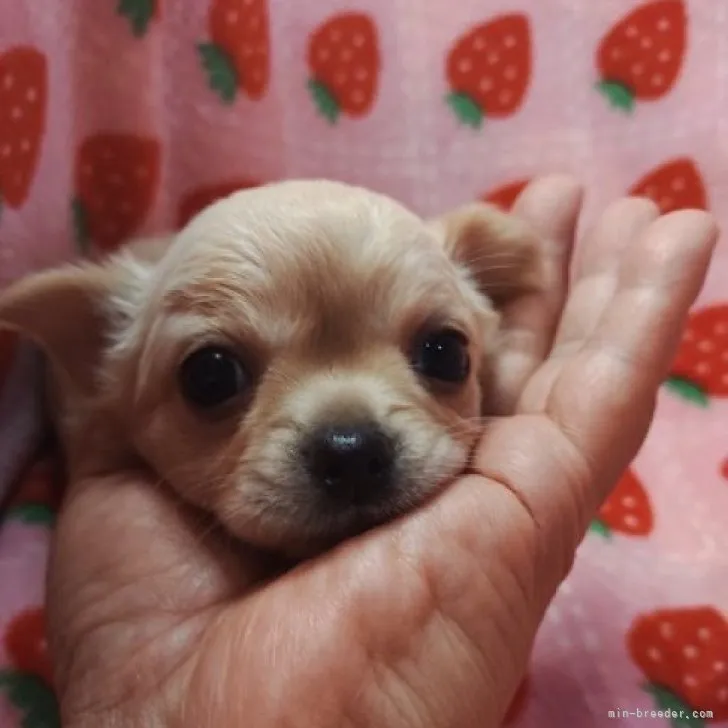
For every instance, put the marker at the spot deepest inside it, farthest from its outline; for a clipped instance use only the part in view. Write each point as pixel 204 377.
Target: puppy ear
pixel 502 255
pixel 65 311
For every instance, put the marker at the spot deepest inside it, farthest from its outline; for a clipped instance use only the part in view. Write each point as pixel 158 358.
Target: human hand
pixel 429 620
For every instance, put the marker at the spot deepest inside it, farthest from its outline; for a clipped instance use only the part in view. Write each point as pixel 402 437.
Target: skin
pixel 427 621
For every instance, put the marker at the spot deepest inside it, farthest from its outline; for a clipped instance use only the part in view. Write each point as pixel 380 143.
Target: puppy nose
pixel 352 463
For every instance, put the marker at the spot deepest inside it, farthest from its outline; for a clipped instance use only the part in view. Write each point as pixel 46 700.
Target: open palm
pixel 427 621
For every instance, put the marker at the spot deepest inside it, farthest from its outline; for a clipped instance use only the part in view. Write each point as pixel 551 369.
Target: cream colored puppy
pixel 304 361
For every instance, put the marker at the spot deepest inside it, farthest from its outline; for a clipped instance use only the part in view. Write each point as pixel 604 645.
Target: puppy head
pixel 305 361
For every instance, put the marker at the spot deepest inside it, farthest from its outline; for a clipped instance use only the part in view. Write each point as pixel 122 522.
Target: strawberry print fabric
pixel 124 117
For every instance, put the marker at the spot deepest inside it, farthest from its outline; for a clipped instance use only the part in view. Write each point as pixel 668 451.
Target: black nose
pixel 353 464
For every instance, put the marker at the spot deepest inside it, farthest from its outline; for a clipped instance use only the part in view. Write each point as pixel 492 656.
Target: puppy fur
pixel 322 290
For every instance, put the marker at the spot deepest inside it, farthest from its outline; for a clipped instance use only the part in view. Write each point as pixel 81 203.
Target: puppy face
pixel 307 360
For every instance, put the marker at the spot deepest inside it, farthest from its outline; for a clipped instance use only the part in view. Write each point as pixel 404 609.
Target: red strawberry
pixel 26 644
pixel 640 58
pixel 517 704
pixel 139 13
pixel 626 510
pixel 506 195
pixel 700 369
pixel 202 197
pixel 684 656
pixel 116 180
pixel 489 69
pixel 23 102
pixel 238 54
pixel 675 185
pixel 39 493
pixel 724 468
pixel 344 61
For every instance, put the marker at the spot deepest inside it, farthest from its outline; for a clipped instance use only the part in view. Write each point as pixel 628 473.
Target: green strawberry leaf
pixel 32 697
pixel 221 73
pixel 681 714
pixel 618 95
pixel 32 514
pixel 687 390
pixel 598 526
pixel 80 227
pixel 325 102
pixel 465 109
pixel 138 12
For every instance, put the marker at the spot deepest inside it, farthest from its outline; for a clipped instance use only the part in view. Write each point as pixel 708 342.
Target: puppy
pixel 304 360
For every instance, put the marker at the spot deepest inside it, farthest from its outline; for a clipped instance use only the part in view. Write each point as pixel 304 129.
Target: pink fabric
pixel 123 121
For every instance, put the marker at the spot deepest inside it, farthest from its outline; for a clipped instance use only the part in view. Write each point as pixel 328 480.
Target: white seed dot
pixel 721 329
pixel 510 73
pixel 346 55
pixel 631 31
pixel 646 42
pixel 357 97
pixel 658 80
pixel 323 55
pixel 704 634
pixel 8 81
pixel 631 521
pixel 654 654
pixel 358 40
pixel 667 631
pixel 705 346
pixel 703 369
pixel 493 58
pixel 31 95
pixel 678 184
pixel 665 203
pixel 628 501
pixel 361 74
pixel 719 666
pixel 335 35
pixel 505 96
pixel 724 379
pixel 485 85
pixel 663 25
pixel 650 190
pixel 479 43
pixel 254 23
pixel 232 17
pixel 465 66
pixel 256 76
pixel 16 113
pixel 664 56
pixel 509 41
pixel 248 52
pixel 5 151
pixel 616 53
pixel 25 146
pixel 690 681
pixel 723 695
pixel 724 356
pixel 690 652
pixel 340 79
pixel 638 69
pixel 688 335
pixel 141 172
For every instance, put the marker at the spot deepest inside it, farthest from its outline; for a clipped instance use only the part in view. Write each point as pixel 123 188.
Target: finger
pixel 595 276
pixel 604 398
pixel 551 206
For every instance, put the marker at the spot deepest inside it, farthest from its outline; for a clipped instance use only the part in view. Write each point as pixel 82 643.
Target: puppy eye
pixel 211 376
pixel 443 356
